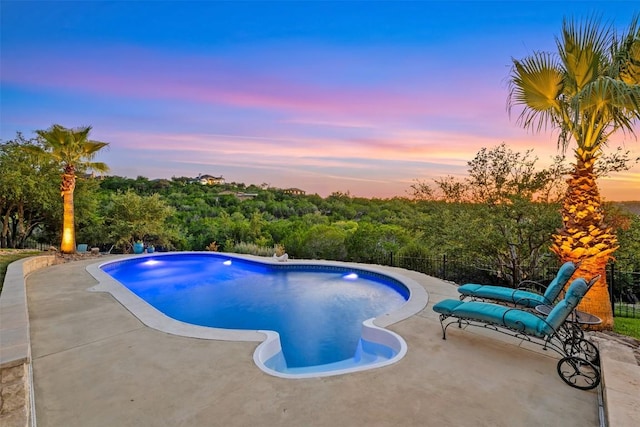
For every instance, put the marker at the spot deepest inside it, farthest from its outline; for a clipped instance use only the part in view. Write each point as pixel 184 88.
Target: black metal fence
pixel 33 244
pixel 624 285
pixel 624 289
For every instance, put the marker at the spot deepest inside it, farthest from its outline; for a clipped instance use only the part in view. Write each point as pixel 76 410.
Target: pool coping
pixel 270 343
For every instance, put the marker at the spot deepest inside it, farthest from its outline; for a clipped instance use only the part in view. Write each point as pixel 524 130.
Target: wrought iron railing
pixel 33 244
pixel 624 289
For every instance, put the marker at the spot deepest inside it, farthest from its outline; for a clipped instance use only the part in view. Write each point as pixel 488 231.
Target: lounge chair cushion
pixel 557 284
pixel 447 306
pixel 514 296
pixel 563 309
pixel 516 319
pixel 522 297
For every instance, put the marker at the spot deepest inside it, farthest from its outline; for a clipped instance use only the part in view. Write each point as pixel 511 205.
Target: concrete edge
pixel 620 383
pixel 14 315
pixel 15 337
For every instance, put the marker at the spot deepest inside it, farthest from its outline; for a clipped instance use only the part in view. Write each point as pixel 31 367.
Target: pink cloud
pixel 325 135
pixel 137 74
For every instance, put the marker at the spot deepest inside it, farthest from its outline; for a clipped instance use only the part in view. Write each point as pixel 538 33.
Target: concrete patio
pixel 95 364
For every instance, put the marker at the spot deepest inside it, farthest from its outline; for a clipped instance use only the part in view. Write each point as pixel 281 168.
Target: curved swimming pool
pixel 314 318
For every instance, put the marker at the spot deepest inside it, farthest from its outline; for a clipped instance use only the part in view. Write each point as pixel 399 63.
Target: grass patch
pixel 9 256
pixel 627 326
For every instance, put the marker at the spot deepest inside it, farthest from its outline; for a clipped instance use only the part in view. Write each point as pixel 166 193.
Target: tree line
pixel 507 221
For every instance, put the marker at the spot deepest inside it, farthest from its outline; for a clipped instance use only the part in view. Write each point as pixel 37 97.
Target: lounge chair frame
pixel 579 363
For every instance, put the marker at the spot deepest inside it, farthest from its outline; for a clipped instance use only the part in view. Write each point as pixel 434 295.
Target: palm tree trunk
pixel 585 237
pixel 68 244
pixel 597 301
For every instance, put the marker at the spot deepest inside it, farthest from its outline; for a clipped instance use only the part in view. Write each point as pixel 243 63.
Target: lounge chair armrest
pixel 521 325
pixel 524 301
pixel 527 302
pixel 527 284
pixel 544 319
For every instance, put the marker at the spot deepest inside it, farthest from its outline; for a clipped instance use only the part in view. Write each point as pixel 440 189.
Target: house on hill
pixel 294 191
pixel 210 180
pixel 246 196
pixel 239 195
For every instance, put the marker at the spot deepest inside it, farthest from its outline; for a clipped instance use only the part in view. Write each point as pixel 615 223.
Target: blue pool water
pixel 318 311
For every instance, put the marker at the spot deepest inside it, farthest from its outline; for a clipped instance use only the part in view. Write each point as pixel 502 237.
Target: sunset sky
pixel 364 97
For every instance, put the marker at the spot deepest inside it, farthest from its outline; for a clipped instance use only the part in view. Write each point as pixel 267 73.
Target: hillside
pixel 631 206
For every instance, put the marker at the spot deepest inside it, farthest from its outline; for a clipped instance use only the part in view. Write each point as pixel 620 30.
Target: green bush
pixel 252 249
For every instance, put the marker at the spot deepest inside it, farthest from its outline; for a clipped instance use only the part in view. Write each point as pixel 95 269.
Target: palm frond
pixel 70 146
pixel 90 148
pixel 536 84
pixel 611 97
pixel 603 107
pixel 98 166
pixel 583 50
pixel 625 52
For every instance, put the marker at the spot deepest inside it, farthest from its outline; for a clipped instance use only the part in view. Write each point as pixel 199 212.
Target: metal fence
pixel 33 244
pixel 624 285
pixel 624 289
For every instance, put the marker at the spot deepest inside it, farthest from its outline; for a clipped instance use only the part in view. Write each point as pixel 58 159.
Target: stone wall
pixel 15 358
pixel 15 405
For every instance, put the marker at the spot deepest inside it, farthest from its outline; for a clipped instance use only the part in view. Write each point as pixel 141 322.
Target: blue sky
pixel 364 97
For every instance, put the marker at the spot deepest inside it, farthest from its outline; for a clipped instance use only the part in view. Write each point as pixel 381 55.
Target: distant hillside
pixel 633 206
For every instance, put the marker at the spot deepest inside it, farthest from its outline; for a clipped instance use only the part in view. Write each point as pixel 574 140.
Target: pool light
pixel 227 262
pixel 350 276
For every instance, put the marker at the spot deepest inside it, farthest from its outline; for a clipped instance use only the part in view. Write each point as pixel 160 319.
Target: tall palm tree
pixel 73 151
pixel 587 91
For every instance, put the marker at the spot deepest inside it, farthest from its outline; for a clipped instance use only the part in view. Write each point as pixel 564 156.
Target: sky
pixel 364 98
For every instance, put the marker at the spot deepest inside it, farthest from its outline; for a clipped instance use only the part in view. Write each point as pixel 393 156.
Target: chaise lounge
pixel 520 296
pixel 578 365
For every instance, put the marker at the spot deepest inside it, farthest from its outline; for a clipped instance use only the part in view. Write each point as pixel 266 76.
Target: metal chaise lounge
pixel 578 366
pixel 523 295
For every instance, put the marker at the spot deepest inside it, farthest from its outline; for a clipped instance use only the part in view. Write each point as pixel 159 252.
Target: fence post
pixel 612 273
pixel 444 267
pixel 391 258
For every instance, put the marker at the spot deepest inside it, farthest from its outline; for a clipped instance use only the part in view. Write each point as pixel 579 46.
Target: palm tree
pixel 587 91
pixel 73 151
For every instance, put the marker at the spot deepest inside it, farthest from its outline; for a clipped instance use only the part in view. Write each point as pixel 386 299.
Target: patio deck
pixel 95 364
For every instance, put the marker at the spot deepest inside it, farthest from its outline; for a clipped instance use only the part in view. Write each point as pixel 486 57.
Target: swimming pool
pixel 314 318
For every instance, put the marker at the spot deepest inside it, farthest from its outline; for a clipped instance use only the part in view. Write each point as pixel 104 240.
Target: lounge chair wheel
pixel 579 373
pixel 570 330
pixel 582 348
